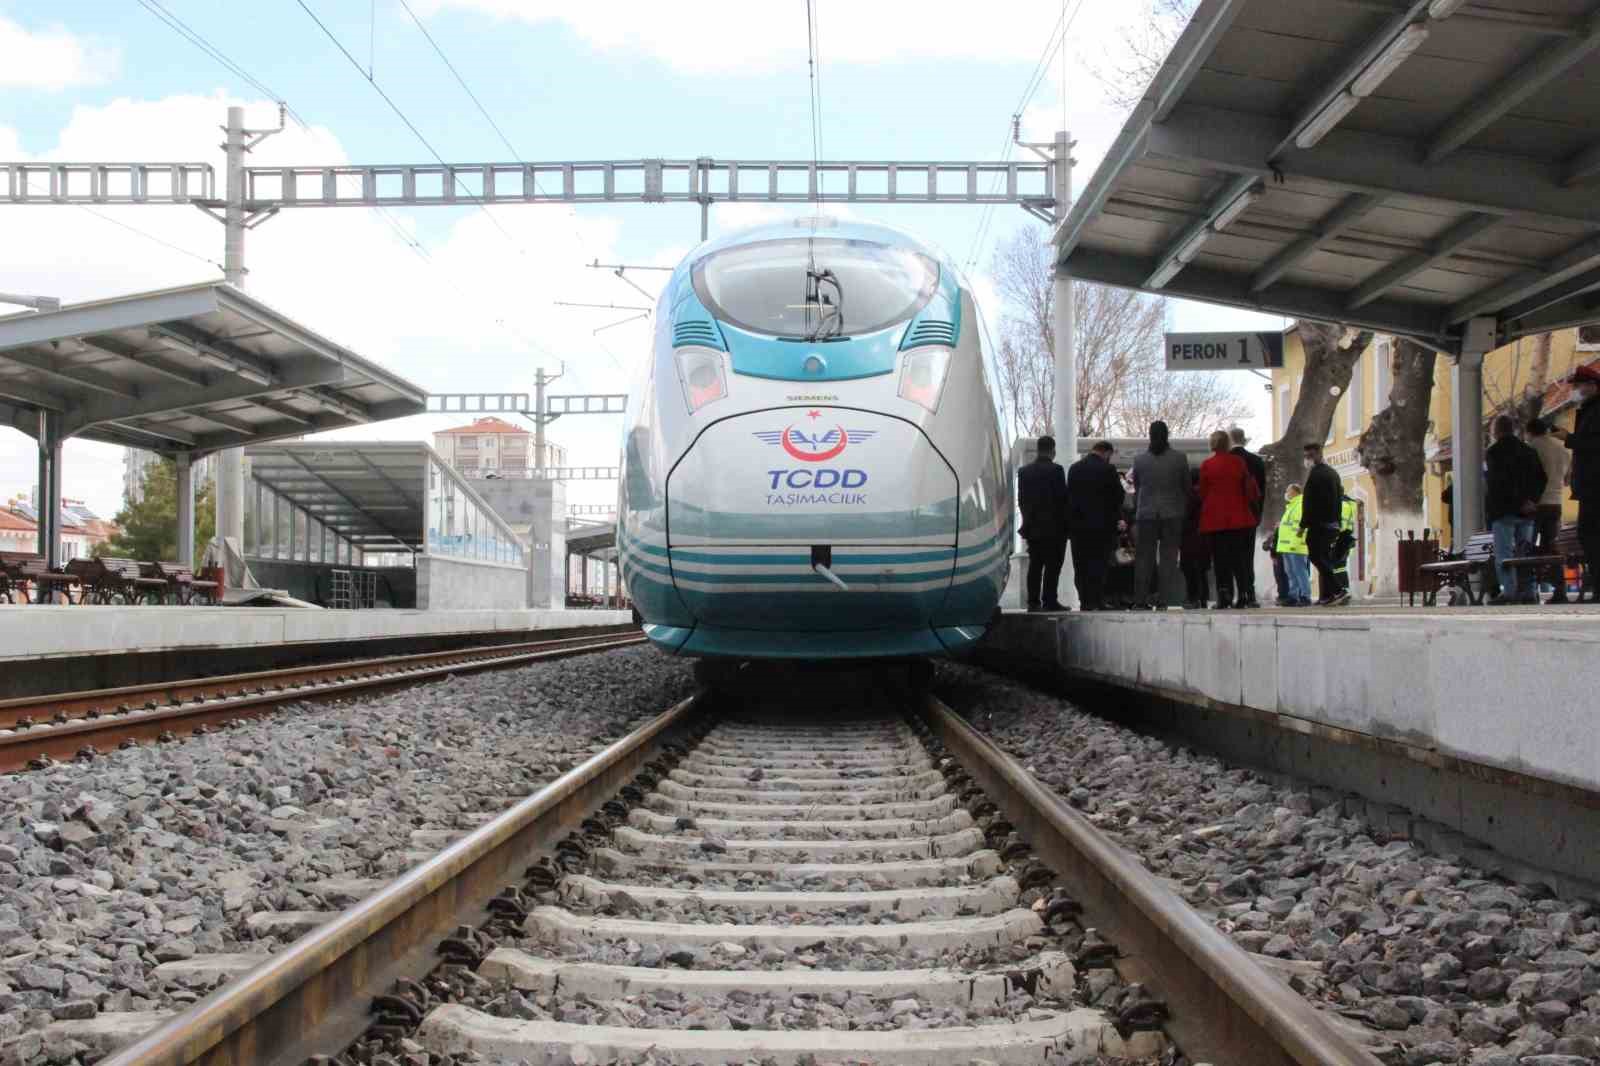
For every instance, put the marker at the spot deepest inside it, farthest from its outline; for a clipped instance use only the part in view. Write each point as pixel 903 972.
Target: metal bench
pixel 1455 572
pixel 1551 566
pixel 181 583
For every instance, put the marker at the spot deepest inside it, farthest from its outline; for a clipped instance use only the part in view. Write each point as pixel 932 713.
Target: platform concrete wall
pixel 445 584
pixel 1483 723
pixel 43 632
pixel 1512 692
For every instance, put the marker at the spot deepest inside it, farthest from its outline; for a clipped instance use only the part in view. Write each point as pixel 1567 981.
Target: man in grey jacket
pixel 1161 490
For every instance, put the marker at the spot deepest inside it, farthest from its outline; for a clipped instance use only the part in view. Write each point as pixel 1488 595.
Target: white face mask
pixel 1310 463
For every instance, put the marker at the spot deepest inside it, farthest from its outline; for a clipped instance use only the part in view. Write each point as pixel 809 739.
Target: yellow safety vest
pixel 1347 516
pixel 1291 538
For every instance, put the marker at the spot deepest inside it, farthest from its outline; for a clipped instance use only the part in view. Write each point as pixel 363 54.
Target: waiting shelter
pixel 183 372
pixel 391 512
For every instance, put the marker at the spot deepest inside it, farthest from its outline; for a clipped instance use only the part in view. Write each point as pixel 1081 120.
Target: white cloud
pixel 52 59
pixel 341 272
pixel 735 35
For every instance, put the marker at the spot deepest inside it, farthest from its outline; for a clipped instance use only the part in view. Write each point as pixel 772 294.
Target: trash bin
pixel 1413 553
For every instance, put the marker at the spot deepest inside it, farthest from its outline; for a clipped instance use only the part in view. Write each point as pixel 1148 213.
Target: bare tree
pixel 1122 381
pixel 1393 448
pixel 1151 30
pixel 1331 356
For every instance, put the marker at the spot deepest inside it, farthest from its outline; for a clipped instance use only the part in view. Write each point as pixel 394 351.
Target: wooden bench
pixel 125 579
pixel 1552 566
pixel 13 584
pixel 1455 572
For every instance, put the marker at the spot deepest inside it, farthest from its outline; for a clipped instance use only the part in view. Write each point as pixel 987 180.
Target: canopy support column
pixel 1466 417
pixel 185 509
pixel 47 501
pixel 1064 415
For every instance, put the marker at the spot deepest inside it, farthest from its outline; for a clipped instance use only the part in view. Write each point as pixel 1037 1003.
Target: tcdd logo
pixel 815 447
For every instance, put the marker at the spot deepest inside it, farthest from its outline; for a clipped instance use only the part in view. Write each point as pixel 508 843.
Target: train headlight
pixel 922 376
pixel 704 380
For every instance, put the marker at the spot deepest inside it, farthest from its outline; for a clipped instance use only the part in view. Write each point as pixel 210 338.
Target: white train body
pixel 813 466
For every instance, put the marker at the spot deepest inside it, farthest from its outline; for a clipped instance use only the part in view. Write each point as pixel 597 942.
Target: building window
pixel 1589 338
pixel 1354 409
pixel 1382 373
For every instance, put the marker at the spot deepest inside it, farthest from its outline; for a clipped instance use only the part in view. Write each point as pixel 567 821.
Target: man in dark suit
pixel 1094 505
pixel 1042 498
pixel 1246 596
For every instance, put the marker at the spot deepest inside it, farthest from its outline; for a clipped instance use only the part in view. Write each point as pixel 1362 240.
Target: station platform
pixel 1482 720
pixel 46 648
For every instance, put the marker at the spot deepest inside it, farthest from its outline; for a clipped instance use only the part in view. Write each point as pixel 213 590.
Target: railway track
pixel 710 889
pixel 69 725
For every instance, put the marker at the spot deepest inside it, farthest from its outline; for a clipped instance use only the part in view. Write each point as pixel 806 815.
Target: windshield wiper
pixel 830 322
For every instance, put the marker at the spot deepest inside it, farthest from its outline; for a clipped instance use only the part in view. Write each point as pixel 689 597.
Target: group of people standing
pixel 1184 523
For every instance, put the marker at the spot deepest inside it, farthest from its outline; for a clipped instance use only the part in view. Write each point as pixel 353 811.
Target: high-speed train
pixel 813 465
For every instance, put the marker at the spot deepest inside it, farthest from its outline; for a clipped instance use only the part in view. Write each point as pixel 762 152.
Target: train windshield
pixel 815 288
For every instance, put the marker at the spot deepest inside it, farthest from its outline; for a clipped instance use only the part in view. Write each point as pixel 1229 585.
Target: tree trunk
pixel 1329 364
pixel 1393 451
pixel 1532 404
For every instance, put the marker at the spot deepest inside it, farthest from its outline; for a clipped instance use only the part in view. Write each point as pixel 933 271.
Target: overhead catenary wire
pixel 194 37
pixel 1056 41
pixel 412 126
pixel 500 133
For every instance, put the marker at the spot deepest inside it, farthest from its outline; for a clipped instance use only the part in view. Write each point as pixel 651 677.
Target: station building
pixel 1520 378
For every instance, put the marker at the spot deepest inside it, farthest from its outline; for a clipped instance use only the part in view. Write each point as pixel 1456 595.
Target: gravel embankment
pixel 1438 962
pixel 155 854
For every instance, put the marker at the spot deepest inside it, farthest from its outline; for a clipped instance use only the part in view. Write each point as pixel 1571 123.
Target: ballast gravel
pixel 155 854
pixel 1434 959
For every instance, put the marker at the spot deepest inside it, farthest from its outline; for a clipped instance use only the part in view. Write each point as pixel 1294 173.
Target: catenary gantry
pixel 184 372
pixel 1427 168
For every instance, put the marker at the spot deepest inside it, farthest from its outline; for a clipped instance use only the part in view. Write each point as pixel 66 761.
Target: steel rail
pixel 1224 1007
pixel 211 701
pixel 314 997
pixel 43 707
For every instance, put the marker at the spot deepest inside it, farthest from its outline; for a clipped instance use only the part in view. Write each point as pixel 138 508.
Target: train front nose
pixel 812 520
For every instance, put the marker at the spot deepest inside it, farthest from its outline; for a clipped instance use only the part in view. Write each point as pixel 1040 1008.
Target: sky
pixel 464 299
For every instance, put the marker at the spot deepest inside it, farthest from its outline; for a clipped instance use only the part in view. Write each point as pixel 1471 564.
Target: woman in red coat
pixel 1227 517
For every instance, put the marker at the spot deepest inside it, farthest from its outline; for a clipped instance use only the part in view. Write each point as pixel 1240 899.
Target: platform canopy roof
pixel 192 369
pixel 372 493
pixel 1401 165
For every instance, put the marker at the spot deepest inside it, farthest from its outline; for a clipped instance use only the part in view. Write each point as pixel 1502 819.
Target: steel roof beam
pixel 1240 142
pixel 1402 270
pixel 1351 211
pixel 83 379
pixel 1585 166
pixel 391 482
pixel 215 350
pixel 113 347
pixel 1578 259
pixel 33 395
pixel 1579 310
pixel 1206 27
pixel 1554 61
pixel 1180 252
pixel 1287 298
pixel 216 418
pixel 1359 62
pixel 156 430
pixel 167 401
pixel 1583 283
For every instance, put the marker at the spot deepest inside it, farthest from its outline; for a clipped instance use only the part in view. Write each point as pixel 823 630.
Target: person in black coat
pixel 1042 499
pixel 1246 596
pixel 1584 440
pixel 1320 517
pixel 1094 505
